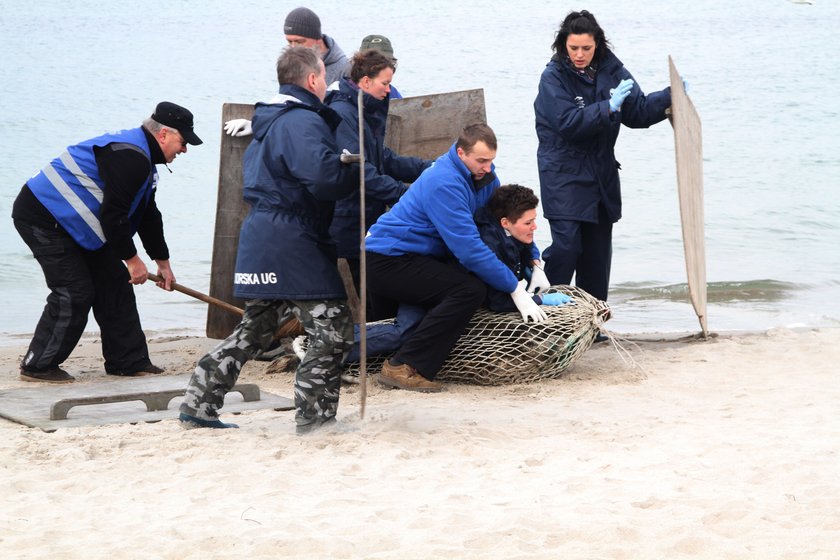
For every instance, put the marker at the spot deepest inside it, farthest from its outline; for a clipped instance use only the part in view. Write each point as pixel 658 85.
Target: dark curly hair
pixel 581 23
pixel 511 201
pixel 370 63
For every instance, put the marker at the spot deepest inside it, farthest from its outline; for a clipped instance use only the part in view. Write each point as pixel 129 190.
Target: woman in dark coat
pixel 585 95
pixel 386 173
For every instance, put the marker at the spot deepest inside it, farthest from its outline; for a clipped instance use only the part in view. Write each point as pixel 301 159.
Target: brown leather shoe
pixel 406 377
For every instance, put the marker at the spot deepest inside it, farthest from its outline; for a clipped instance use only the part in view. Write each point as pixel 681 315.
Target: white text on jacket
pixel 250 278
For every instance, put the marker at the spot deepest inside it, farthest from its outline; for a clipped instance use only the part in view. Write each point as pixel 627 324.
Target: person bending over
pixel 286 263
pixel 427 251
pixel 78 216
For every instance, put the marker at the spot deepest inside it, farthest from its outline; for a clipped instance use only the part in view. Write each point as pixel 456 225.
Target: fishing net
pixel 498 348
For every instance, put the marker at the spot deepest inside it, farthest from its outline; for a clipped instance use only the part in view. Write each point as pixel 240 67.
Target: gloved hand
pixel 539 281
pixel 238 127
pixel 620 93
pixel 526 306
pixel 556 299
pixel 347 157
pixel 685 84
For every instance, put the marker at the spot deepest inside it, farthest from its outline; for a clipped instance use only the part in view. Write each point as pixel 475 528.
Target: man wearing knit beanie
pixel 303 28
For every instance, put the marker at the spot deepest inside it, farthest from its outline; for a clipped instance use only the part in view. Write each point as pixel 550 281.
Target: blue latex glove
pixel 620 93
pixel 556 299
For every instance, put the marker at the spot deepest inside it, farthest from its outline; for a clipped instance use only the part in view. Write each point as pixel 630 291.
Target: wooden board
pixel 423 126
pixel 688 140
pixel 31 406
pixel 231 209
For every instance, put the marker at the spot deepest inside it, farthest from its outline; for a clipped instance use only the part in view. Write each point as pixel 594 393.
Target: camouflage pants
pixel 329 328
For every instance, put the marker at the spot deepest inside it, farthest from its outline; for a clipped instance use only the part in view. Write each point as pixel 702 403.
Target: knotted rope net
pixel 499 348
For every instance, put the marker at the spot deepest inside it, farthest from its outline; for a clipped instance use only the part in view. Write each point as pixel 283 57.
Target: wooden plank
pixel 231 209
pixel 688 141
pixel 425 126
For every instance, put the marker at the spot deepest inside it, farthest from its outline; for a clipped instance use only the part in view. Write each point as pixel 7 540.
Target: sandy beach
pixel 726 448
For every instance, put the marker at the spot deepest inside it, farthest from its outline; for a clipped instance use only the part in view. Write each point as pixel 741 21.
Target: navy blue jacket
pixel 517 256
pixel 385 171
pixel 292 176
pixel 577 135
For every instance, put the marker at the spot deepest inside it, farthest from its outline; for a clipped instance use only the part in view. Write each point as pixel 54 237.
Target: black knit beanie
pixel 303 22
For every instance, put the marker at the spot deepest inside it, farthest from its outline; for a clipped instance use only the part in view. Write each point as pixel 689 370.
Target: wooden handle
pixel 198 295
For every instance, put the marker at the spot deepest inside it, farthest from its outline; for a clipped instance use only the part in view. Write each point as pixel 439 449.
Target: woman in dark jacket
pixel 385 171
pixel 585 95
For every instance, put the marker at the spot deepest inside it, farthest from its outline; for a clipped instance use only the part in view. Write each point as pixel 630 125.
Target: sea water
pixel 762 74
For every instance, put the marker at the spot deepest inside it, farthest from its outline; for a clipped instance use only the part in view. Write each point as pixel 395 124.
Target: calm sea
pixel 762 74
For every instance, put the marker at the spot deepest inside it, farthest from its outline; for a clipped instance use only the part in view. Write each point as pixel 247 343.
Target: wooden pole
pixel 362 262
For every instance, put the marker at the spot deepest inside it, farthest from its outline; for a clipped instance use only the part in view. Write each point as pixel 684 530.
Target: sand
pixel 726 448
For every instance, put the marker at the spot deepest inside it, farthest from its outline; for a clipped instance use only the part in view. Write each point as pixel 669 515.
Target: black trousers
pixel 81 280
pixel 581 249
pixel 447 290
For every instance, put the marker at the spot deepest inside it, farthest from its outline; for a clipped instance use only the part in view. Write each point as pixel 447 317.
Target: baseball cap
pixel 379 43
pixel 177 117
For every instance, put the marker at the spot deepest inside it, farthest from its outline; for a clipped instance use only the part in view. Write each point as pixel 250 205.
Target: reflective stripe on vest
pixel 72 198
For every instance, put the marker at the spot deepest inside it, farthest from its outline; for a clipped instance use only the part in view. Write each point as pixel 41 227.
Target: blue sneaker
pixel 202 423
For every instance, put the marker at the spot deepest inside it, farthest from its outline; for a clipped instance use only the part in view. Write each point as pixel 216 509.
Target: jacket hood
pixel 334 52
pixel 290 97
pixel 266 113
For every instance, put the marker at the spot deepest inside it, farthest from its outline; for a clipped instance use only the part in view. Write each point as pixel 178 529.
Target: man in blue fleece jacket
pixel 427 251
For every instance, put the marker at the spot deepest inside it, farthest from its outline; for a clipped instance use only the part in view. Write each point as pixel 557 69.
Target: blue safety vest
pixel 72 190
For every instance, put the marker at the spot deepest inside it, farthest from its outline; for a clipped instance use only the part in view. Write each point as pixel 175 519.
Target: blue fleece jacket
pixel 435 218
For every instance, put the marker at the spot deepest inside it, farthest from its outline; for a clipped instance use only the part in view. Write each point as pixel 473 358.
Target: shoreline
pixel 21 340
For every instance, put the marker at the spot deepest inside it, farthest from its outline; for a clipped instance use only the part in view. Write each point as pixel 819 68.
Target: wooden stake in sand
pixel 362 263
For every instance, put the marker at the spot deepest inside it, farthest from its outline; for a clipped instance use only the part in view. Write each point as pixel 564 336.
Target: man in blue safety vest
pixel 78 216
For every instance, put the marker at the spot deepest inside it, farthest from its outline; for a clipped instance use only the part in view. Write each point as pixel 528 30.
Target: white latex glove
pixel 238 127
pixel 539 281
pixel 526 304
